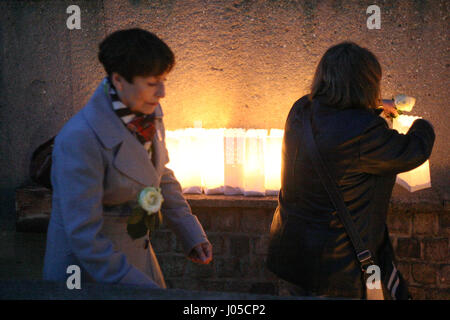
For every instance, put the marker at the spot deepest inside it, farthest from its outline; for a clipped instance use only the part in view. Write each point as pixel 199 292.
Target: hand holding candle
pixel 389 109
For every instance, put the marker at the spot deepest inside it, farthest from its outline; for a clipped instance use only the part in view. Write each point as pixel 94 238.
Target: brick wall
pixel 238 228
pixel 239 237
pixel 421 241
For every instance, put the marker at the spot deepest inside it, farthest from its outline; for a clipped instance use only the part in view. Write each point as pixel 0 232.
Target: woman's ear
pixel 117 81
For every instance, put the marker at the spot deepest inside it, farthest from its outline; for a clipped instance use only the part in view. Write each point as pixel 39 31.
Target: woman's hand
pixel 389 109
pixel 201 253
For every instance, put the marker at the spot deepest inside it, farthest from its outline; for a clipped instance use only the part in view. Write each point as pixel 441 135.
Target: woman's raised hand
pixel 389 109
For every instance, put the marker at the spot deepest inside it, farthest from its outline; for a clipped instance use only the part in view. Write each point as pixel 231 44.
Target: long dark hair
pixel 347 76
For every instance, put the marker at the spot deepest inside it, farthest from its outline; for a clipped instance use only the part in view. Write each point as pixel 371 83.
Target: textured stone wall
pixel 240 63
pixel 47 73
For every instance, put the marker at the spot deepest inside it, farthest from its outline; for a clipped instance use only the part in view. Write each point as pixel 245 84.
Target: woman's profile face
pixel 143 94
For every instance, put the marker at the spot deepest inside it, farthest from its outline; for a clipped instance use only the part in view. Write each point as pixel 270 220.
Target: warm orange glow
pixel 185 153
pixel 418 178
pixel 239 161
pixel 234 161
pixel 232 97
pixel 254 179
pixel 212 155
pixel 403 122
pixel 226 161
pixel 202 98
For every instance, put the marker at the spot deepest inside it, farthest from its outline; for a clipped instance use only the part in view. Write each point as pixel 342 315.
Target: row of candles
pixel 226 161
pixel 248 162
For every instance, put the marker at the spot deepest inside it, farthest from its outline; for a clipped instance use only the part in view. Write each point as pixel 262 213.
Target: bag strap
pixel 363 254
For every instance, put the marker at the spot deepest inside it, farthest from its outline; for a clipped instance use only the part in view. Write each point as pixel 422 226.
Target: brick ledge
pixel 33 204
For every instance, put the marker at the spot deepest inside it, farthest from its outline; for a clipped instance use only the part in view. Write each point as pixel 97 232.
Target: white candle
pixel 254 162
pixel 190 153
pixel 234 148
pixel 418 178
pixel 272 159
pixel 213 167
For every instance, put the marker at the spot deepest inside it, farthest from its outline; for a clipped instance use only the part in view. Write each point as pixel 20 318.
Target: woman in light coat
pixel 100 163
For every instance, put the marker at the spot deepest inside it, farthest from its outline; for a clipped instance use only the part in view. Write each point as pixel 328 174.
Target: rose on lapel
pixel 146 217
pixel 150 199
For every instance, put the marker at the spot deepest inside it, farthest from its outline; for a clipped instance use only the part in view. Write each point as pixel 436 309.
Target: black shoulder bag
pixel 393 285
pixel 41 164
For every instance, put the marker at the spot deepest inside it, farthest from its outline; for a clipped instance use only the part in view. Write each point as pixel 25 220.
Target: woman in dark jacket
pixel 309 246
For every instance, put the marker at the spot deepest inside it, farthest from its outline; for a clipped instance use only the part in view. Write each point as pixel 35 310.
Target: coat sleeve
pixel 77 179
pixel 177 212
pixel 385 151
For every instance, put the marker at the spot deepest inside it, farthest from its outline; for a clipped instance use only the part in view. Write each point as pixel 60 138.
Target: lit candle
pixel 213 167
pixel 190 161
pixel 234 148
pixel 254 162
pixel 418 178
pixel 272 158
pixel 173 148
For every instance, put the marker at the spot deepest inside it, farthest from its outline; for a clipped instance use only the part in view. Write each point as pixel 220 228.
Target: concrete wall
pixel 239 64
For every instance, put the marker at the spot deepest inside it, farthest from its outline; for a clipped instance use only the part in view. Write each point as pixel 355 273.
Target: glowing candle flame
pixel 185 153
pixel 254 162
pixel 272 159
pixel 234 145
pixel 212 154
pixel 229 161
pixel 418 178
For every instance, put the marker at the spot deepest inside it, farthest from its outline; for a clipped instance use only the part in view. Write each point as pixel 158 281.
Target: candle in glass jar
pixel 254 162
pixel 272 159
pixel 213 167
pixel 418 178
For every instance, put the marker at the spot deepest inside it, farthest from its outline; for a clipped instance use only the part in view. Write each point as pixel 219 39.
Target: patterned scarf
pixel 140 125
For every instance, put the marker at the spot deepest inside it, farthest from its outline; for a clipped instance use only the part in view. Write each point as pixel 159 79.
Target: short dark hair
pixel 135 52
pixel 348 76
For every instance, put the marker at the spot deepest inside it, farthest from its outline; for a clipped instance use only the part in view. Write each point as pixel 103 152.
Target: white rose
pixel 404 102
pixel 150 199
